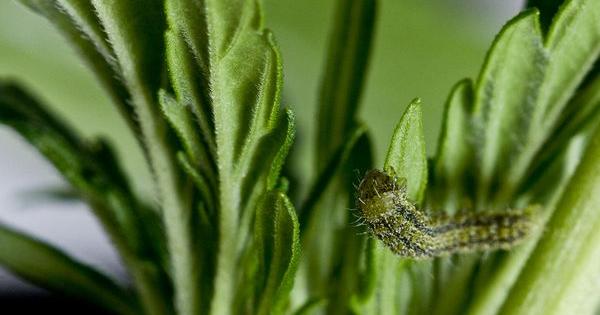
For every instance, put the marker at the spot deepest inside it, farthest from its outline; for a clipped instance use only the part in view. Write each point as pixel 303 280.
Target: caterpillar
pixel 409 232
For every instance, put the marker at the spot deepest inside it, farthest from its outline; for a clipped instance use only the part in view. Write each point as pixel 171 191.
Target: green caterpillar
pixel 409 232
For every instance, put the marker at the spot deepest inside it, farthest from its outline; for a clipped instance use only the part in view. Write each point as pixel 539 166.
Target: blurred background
pixel 421 49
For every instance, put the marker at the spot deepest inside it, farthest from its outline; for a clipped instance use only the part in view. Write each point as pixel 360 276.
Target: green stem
pixel 227 258
pixel 176 213
pixel 124 23
pixel 568 252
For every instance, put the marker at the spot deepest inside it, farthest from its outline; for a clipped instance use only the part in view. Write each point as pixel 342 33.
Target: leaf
pixel 135 29
pixel 547 8
pixel 582 118
pixel 338 161
pixel 406 156
pixel 69 17
pixel 93 171
pixel 573 45
pixel 568 251
pixel 83 15
pixel 239 61
pixel 190 86
pixel 50 268
pixel 201 181
pixel 505 97
pixel 345 73
pixel 278 247
pixel 455 154
pixel 188 17
pixel 182 121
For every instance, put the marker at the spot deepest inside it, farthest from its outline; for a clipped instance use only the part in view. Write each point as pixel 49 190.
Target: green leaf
pixel 93 170
pixel 455 154
pixel 188 17
pixel 135 29
pixel 83 15
pixel 573 45
pixel 345 74
pixel 547 8
pixel 568 252
pixel 582 117
pixel 278 246
pixel 190 86
pixel 73 19
pixel 50 268
pixel 182 121
pixel 505 96
pixel 406 157
pixel 202 182
pixel 338 161
pixel 240 62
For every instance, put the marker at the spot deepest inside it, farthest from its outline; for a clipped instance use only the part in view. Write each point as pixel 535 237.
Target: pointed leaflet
pixel 547 8
pixel 455 154
pixel 181 119
pixel 406 156
pixel 278 242
pixel 505 97
pixel 573 45
pixel 190 85
pixel 50 268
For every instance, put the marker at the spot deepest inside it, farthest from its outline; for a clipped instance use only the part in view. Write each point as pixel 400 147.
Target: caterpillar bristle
pixel 409 232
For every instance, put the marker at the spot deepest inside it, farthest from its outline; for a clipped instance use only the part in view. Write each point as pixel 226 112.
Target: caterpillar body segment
pixel 410 232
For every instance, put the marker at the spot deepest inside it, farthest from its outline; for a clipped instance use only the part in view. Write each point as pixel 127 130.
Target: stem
pixel 227 258
pixel 567 253
pixel 124 24
pixel 176 213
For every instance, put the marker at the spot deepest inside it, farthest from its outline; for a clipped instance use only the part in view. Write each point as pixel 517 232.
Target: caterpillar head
pixel 379 193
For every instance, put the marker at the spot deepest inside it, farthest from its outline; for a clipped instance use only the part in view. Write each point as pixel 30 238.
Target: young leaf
pixel 243 69
pixel 455 154
pixel 190 86
pixel 547 8
pixel 50 268
pixel 573 45
pixel 182 121
pixel 505 97
pixel 406 156
pixel 278 242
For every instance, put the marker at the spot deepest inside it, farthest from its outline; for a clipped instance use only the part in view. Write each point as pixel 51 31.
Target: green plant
pixel 199 83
